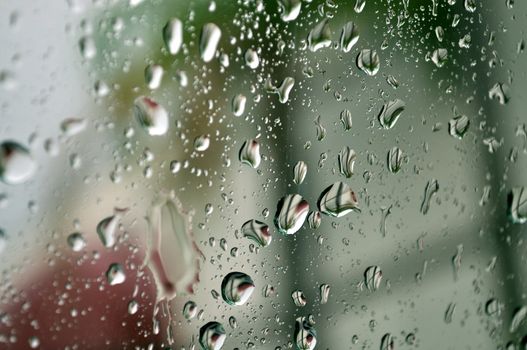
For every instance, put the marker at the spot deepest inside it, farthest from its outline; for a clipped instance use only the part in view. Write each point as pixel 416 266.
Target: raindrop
pixel 346 160
pixel 449 313
pixel 284 89
pixel 305 335
pixel 431 188
pixel 395 159
pixel 470 5
pixel 348 36
pixel 337 200
pixel 73 126
pixel 115 274
pixel 291 212
pixel 299 171
pixel 314 219
pixel 233 322
pixel 257 231
pixel 500 92
pixel 321 130
pixel 345 118
pixel 440 33
pixel 492 307
pixel 173 35
pixel 439 57
pixel 299 298
pixel 289 9
pixel 373 278
pixel 390 113
pixel 190 310
pixel 517 202
pixel 76 241
pixel 210 37
pixel 212 336
pixel 87 47
pixel 107 227
pixel 153 76
pixel 458 126
pixel 324 293
pixel 251 59
pixel 16 163
pixel 387 342
pixel 151 116
pixel 202 143
pixel 368 61
pixel 359 5
pixel 34 342
pixel 320 36
pixel 133 307
pixel 250 153
pixel 236 288
pixel 517 318
pixel 238 104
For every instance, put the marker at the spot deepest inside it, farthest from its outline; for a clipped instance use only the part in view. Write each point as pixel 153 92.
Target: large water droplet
pixel 107 227
pixel 305 334
pixel 320 36
pixel 173 35
pixel 115 274
pixel 250 153
pixel 236 288
pixel 291 212
pixel 390 113
pixel 337 200
pixel 289 9
pixel 251 58
pixel 257 231
pixel 208 44
pixel 151 116
pixel 517 201
pixel 395 159
pixel 368 61
pixel 299 172
pixel 299 298
pixel 212 336
pixel 346 161
pixel 348 36
pixel 16 163
pixel 202 143
pixel 373 278
pixel 458 126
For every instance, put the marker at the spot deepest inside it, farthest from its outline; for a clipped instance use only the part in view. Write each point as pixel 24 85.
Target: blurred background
pixel 453 275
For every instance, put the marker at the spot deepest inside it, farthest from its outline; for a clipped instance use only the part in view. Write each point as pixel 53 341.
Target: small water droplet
pixel 251 58
pixel 76 241
pixel 212 336
pixel 250 153
pixel 16 163
pixel 299 298
pixel 238 104
pixel 133 307
pixel 346 119
pixel 517 203
pixel 387 342
pixel 439 57
pixel 346 160
pixel 314 219
pixel 324 293
pixel 173 35
pixel 373 278
pixel 517 318
pixel 449 313
pixel 500 92
pixel 202 143
pixel 190 310
pixel 151 116
pixel 115 274
pixel 153 76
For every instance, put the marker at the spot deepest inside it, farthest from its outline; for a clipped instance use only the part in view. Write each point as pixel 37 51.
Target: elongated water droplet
pixel 337 200
pixel 151 116
pixel 373 278
pixel 76 241
pixel 439 57
pixel 87 47
pixel 349 36
pixel 314 219
pixel 390 113
pixel 250 153
pixel 517 318
pixel 291 212
pixel 320 36
pixel 458 126
pixel 387 342
pixel 449 313
pixel 324 293
pixel 173 35
pixel 492 307
pixel 299 171
pixel 236 288
pixel 285 89
pixel 238 104
pixel 517 201
pixel 385 211
pixel 73 126
pixel 346 160
pixel 173 256
pixel 440 33
pixel 299 298
pixel 212 336
pixel 115 274
pixel 202 143
pixel 346 119
pixel 251 59
pixel 470 5
pixel 107 227
pixel 257 231
pixel 16 163
pixel 153 76
pixel 289 9
pixel 431 188
pixel 368 61
pixel 500 92
pixel 133 307
pixel 190 310
pixel 359 5
pixel 208 44
pixel 395 159
pixel 321 130
pixel 233 322
pixel 305 334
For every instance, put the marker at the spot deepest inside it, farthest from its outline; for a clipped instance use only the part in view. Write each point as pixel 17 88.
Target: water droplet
pixel 385 211
pixel 34 342
pixel 321 130
pixel 236 288
pixel 251 58
pixel 238 104
pixel 284 89
pixel 349 36
pixel 440 33
pixel 202 143
pixel 299 298
pixel 431 188
pixel 289 9
pixel 439 57
pixel 173 256
pixel 250 153
pixel 390 113
pixel 320 36
pixel 387 342
pixel 345 118
pixel 470 5
pixel 449 313
pixel 133 307
pixel 517 318
pixel 76 241
pixel 257 231
pixel 410 339
pixel 212 336
pixel 87 47
pixel 359 5
pixel 492 307
pixel 395 159
pixel 305 334
pixel 324 293
pixel 291 212
pixel 73 126
pixel 314 219
pixel 299 171
pixel 368 61
pixel 210 37
pixel 153 76
pixel 346 160
pixel 16 163
pixel 500 92
pixel 107 228
pixel 373 278
pixel 337 200
pixel 173 35
pixel 458 126
pixel 115 274
pixel 233 322
pixel 151 116
pixel 517 202
pixel 190 310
